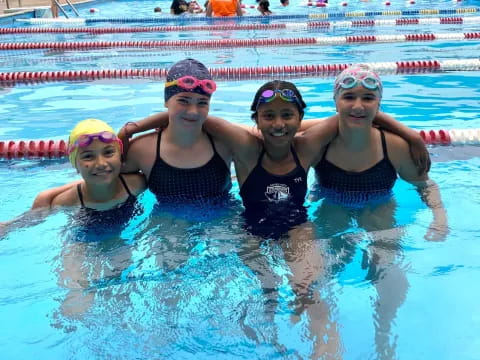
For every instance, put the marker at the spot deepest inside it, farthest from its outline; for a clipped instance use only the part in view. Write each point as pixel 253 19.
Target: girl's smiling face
pixel 99 163
pixel 278 121
pixel 357 106
pixel 188 109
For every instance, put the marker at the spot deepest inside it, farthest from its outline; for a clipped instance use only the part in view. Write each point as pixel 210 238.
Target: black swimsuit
pixel 106 220
pixel 210 181
pixel 274 203
pixel 262 187
pixel 356 188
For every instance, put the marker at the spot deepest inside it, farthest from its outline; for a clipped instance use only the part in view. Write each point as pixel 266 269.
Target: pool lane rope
pixel 323 15
pixel 289 26
pixel 57 149
pixel 238 43
pixel 9 79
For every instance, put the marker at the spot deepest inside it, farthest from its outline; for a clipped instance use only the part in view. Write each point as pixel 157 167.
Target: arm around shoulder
pixel 140 148
pixel 69 197
pixel 307 124
pixel 399 155
pixel 427 188
pixel 316 137
pixel 240 141
pixel 417 147
pixel 45 198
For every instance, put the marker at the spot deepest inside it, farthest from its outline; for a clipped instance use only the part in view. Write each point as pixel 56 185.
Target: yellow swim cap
pixel 85 127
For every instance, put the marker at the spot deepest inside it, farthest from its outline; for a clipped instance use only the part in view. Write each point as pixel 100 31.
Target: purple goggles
pixel 86 139
pixel 284 94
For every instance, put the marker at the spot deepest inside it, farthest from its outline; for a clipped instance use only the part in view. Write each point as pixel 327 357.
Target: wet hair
pixel 184 67
pixel 283 2
pixel 157 9
pixel 264 5
pixel 274 85
pixel 179 7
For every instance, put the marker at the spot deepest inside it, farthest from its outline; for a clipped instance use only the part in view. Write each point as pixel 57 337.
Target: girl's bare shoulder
pixel 69 197
pixel 398 150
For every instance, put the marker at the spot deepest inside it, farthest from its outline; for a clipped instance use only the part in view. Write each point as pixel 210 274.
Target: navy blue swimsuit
pixel 262 187
pixel 274 203
pixel 354 189
pixel 98 221
pixel 210 181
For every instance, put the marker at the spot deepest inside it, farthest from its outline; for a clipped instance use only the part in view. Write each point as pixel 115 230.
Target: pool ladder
pixel 57 3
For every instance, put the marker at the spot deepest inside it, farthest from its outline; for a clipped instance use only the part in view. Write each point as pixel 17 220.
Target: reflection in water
pixel 288 269
pixel 181 286
pixel 86 264
pixel 372 228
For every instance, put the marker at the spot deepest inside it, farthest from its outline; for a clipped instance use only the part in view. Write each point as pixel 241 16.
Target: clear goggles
pixel 368 82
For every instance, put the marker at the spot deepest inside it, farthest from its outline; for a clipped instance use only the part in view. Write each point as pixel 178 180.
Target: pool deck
pixel 9 7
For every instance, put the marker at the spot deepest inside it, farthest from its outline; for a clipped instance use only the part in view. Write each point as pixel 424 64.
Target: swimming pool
pixel 188 287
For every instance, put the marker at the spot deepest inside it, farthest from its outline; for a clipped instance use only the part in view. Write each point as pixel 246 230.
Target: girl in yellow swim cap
pixel 96 152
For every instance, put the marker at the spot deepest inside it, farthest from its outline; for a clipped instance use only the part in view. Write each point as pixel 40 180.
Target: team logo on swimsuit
pixel 277 192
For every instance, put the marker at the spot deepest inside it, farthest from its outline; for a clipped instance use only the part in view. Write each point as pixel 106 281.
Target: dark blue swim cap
pixel 185 67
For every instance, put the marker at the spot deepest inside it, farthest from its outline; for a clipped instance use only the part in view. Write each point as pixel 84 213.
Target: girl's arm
pixel 427 188
pixel 158 120
pixel 312 141
pixel 243 146
pixel 239 8
pixel 29 218
pixel 240 139
pixel 307 124
pixel 430 194
pixel 45 198
pixel 381 119
pixel 417 149
pixel 208 12
pixel 252 129
pixel 41 207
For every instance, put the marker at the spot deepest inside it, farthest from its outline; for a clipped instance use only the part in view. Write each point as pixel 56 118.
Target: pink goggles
pixel 189 83
pixel 86 139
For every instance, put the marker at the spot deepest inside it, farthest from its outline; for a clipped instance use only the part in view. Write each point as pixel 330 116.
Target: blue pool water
pixel 191 284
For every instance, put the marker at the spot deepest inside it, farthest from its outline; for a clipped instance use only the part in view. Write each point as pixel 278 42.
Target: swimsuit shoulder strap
pixel 212 142
pixel 260 157
pixel 80 196
pixel 384 145
pixel 325 152
pixel 295 156
pixel 125 184
pixel 158 144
